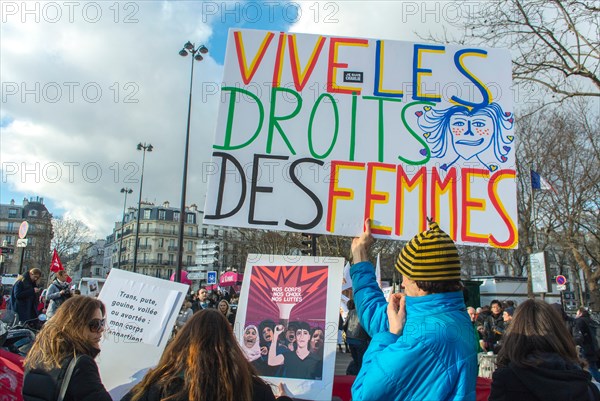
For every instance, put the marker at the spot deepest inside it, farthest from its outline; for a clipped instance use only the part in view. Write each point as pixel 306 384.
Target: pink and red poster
pixel 288 319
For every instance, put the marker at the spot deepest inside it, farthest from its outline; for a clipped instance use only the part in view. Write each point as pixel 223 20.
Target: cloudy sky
pixel 84 82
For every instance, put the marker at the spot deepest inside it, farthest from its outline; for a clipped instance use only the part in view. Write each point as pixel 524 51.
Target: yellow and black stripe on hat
pixel 430 256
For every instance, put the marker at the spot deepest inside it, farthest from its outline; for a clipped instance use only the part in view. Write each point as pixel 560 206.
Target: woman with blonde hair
pixel 203 363
pixel 71 337
pixel 24 295
pixel 225 309
pixel 538 360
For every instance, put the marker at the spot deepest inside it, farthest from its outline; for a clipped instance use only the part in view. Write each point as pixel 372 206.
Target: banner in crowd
pixel 140 314
pixel 287 321
pixel 317 133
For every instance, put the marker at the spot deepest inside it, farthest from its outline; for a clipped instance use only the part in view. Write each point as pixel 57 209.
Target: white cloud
pixel 82 95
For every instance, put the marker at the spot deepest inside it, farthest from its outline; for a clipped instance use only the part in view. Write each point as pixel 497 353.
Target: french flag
pixel 539 182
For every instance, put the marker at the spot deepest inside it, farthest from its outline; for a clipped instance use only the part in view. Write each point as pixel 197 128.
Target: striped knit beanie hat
pixel 430 256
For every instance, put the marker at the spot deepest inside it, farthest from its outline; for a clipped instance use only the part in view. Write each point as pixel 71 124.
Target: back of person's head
pixel 65 334
pixel 536 328
pixel 206 355
pixel 351 304
pixel 431 260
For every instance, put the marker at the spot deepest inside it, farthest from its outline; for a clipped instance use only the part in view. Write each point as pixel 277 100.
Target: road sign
pixel 23 229
pixel 21 242
pixel 561 287
pixel 561 280
pixel 196 276
pixel 211 277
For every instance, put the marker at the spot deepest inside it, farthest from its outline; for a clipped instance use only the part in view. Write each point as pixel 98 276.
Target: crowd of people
pixel 422 344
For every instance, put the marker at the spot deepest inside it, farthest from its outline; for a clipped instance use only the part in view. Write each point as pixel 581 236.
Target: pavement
pixel 342 360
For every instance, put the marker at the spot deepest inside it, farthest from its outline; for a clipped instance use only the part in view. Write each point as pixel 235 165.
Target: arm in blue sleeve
pixel 371 305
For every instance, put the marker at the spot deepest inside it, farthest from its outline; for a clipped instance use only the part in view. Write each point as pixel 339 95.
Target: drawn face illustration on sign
pixel 471 132
pixel 471 135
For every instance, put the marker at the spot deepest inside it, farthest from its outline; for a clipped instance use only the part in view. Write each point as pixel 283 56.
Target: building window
pixel 161 242
pixel 12 213
pixel 190 246
pixel 33 213
pixel 191 230
pixel 11 226
pixel 147 214
pixel 176 216
pixel 190 218
pixel 8 239
pixel 97 271
pixel 171 259
pixel 216 233
pixel 162 215
pixel 189 260
pixel 204 232
pixel 159 258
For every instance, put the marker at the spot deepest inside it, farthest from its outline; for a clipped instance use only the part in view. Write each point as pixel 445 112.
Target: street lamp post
pixel 125 191
pixel 144 148
pixel 196 52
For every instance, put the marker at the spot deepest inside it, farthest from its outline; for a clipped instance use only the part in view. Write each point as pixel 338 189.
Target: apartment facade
pixel 39 236
pixel 157 243
pixel 219 249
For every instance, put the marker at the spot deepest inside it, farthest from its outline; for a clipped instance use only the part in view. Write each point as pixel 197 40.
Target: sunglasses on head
pixel 96 325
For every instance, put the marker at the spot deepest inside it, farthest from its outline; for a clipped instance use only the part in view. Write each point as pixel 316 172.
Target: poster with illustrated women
pixel 287 321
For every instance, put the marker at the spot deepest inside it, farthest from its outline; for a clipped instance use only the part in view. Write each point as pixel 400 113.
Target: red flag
pixel 56 265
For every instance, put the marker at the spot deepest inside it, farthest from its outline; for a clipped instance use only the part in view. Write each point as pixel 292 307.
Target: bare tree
pixel 563 145
pixel 69 234
pixel 555 43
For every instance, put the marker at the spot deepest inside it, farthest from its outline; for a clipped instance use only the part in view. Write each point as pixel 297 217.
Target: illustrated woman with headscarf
pixel 470 132
pixel 249 343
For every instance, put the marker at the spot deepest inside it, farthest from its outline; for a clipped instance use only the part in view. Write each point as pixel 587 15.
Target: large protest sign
pixel 287 321
pixel 317 133
pixel 140 313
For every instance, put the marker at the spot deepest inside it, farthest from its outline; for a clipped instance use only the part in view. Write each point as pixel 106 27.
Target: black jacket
pixel 24 298
pixel 260 392
pixel 583 335
pixel 85 384
pixel 553 380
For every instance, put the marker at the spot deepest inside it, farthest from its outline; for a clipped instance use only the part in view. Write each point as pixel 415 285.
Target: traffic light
pixel 310 243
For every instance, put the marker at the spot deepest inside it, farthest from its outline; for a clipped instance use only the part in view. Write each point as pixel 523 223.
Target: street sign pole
pixel 21 262
pixel 23 228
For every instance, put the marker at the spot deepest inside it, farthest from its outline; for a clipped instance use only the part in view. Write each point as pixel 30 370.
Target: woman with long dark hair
pixel 73 334
pixel 538 360
pixel 203 363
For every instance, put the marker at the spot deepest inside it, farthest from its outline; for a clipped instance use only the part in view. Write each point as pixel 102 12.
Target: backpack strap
pixel 67 378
